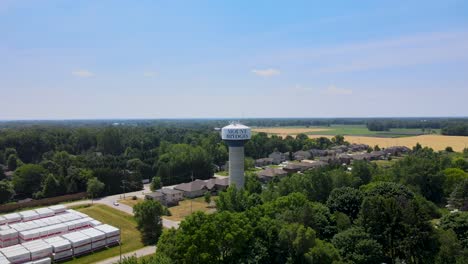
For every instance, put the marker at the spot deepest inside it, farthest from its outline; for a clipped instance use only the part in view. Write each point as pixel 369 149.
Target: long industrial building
pixel 52 234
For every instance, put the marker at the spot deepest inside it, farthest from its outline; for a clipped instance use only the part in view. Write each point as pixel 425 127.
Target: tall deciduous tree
pixel 346 200
pixel 148 217
pixel 94 187
pixel 6 191
pixel 27 179
pixel 156 183
pixel 109 141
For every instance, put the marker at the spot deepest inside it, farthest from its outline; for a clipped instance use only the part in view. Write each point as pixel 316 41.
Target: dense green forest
pixel 371 214
pixel 51 160
pixel 391 213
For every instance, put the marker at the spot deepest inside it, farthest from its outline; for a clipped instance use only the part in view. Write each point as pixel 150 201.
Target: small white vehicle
pixel 116 203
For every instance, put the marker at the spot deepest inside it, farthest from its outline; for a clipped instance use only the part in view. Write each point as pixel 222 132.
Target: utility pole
pixel 191 210
pixel 123 187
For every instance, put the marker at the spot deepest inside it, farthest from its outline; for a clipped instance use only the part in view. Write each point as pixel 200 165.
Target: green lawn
pixel 361 130
pixel 129 234
pixel 222 173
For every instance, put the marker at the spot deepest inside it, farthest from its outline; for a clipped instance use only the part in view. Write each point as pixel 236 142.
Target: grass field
pixel 358 130
pixel 130 236
pixel 186 207
pixel 394 137
pixel 130 202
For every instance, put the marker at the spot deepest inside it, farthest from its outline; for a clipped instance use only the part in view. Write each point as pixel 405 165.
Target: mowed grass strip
pixel 126 223
pixel 130 201
pixel 187 207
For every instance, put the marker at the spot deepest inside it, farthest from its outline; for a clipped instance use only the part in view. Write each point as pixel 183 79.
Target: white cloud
pixel 398 52
pixel 266 72
pixel 150 73
pixel 82 73
pixel 332 90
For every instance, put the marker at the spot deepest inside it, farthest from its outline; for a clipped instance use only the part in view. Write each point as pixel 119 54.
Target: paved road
pixel 138 253
pixel 109 201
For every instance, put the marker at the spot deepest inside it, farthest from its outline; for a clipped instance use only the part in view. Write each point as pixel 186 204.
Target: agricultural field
pixel 130 236
pixel 394 137
pixel 357 130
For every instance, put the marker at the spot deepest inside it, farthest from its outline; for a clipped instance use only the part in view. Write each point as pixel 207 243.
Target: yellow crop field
pixel 437 142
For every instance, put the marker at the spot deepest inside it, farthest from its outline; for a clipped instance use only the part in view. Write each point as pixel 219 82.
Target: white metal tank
pixel 236 135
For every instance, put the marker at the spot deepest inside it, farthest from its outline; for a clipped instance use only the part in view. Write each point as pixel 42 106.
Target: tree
pixel 94 187
pixel 453 176
pixel 27 179
pixel 8 152
pixel 297 240
pixel 12 162
pixel 322 253
pixel 423 170
pixel 180 161
pixel 252 184
pixel 207 197
pixel 6 191
pixel 156 184
pixel 459 197
pixel 357 246
pixel 394 218
pixel 338 140
pixel 346 200
pixel 362 170
pixel 451 250
pixel 109 141
pixel 149 223
pixel 233 199
pixel 51 186
pixel 458 222
pixel 222 237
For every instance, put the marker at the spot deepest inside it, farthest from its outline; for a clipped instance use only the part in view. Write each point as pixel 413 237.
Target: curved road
pixel 109 201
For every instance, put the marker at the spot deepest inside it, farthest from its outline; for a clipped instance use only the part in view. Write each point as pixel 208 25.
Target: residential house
pixel 278 157
pixel 166 196
pixel 317 152
pixel 377 155
pixel 303 166
pixel 361 156
pixel 217 185
pixel 263 162
pixel 302 155
pixel 357 147
pixel 269 174
pixel 193 189
pixel 396 150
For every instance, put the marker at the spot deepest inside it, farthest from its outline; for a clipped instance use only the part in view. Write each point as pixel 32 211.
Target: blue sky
pixel 183 59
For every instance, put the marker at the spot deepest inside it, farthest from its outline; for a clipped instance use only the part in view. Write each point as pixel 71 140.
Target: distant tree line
pixel 456 129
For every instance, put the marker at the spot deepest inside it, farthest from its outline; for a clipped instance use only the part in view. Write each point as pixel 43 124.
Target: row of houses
pixel 196 188
pixel 341 154
pixel 302 165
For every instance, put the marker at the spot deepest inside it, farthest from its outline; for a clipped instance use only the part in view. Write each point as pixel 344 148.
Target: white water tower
pixel 236 135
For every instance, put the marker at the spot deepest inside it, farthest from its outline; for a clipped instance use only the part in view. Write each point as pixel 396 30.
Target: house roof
pixel 155 194
pixel 191 186
pixel 271 172
pixel 169 191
